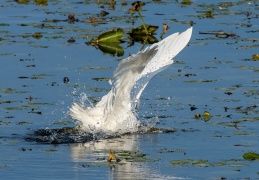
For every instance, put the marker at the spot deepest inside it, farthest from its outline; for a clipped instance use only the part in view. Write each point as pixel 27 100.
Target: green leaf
pixel 37 35
pixel 111 36
pixel 50 150
pixel 141 30
pixel 251 156
pixel 255 57
pixel 22 1
pixel 41 2
pixel 144 39
pixel 111 47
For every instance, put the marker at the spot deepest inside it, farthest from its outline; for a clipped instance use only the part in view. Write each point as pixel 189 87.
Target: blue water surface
pixel 213 73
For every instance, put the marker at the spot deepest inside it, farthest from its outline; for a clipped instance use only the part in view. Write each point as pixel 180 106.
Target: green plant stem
pixel 142 22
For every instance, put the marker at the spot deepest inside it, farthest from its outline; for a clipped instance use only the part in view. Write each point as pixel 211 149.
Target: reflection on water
pixel 97 152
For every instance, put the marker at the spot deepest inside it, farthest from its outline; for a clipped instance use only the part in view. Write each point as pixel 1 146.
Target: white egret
pixel 115 113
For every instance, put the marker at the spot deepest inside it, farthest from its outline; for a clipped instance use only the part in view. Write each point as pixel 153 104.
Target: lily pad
pixel 4 24
pixel 41 2
pixel 50 150
pixel 142 31
pixel 201 81
pixel 244 133
pixel 37 35
pixel 111 36
pixel 255 57
pixel 111 48
pixel 185 162
pixel 170 151
pixel 6 102
pixel 144 39
pixel 22 1
pixel 13 108
pixel 4 123
pixel 205 163
pixel 251 156
pixel 24 123
pixel 12 91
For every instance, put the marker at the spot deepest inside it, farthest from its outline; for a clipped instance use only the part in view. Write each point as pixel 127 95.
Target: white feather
pixel 115 111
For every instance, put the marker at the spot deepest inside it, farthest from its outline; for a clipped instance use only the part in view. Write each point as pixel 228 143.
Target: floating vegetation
pixel 186 2
pixel 92 20
pixel 114 36
pixel 251 156
pixel 22 1
pixel 209 14
pixel 144 34
pixel 94 68
pixel 24 123
pixel 12 91
pixel 13 108
pixel 243 133
pixel 6 102
pixel 71 40
pixel 206 113
pixel 41 2
pixel 165 150
pixel 185 162
pixel 144 39
pixel 4 24
pixel 220 34
pixel 111 48
pixel 119 157
pixel 201 81
pixel 40 76
pixel 4 123
pixel 13 143
pixel 50 150
pixel 37 35
pixel 206 163
pixel 108 42
pixel 142 31
pixel 255 57
pixel 206 116
pixel 41 51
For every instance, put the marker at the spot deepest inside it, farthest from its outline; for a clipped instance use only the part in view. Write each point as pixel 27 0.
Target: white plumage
pixel 115 112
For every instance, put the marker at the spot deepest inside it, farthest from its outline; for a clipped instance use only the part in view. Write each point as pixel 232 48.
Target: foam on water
pixel 116 112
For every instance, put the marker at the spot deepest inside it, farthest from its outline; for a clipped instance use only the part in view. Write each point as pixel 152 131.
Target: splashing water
pixel 116 112
pixel 83 100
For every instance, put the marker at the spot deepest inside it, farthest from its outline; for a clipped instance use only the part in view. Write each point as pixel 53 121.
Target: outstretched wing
pixel 133 73
pixel 167 50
